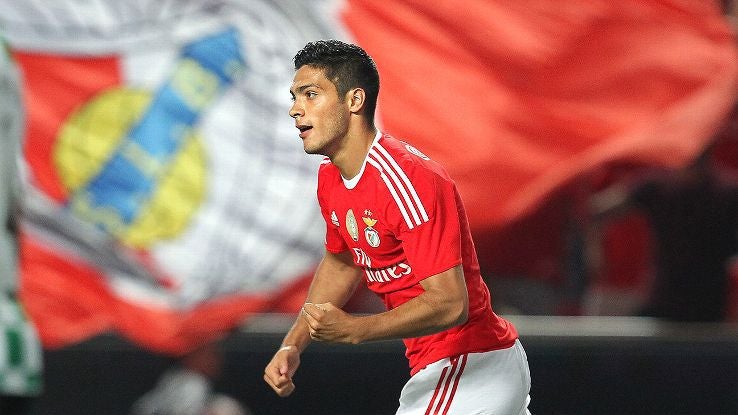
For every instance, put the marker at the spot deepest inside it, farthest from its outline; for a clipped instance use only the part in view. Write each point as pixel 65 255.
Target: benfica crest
pixel 371 234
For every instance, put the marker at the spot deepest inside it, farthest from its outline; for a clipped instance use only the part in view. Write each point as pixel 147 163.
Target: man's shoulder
pixel 400 148
pixel 328 175
pixel 326 167
pixel 391 154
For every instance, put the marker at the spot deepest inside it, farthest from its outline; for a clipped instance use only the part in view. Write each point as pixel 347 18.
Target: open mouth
pixel 303 129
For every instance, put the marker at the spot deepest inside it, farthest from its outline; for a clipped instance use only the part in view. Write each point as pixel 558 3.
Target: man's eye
pixel 311 94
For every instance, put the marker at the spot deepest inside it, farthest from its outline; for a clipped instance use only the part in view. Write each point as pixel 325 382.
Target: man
pixel 395 219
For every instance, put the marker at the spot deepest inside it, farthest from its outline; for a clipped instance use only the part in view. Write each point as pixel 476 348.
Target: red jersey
pixel 403 219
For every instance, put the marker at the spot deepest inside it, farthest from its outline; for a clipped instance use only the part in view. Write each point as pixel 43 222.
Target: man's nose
pixel 296 111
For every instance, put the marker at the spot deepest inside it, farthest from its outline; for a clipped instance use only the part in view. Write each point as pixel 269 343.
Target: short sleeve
pixel 434 246
pixel 333 240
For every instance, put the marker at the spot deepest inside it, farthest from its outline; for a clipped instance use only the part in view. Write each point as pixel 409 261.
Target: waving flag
pixel 519 98
pixel 168 196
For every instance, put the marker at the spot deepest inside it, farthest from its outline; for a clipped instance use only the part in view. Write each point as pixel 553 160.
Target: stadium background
pixel 168 203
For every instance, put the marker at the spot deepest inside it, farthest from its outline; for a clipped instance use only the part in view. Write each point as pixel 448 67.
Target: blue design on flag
pixel 113 198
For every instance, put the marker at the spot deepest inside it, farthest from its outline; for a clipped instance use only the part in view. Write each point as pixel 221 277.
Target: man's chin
pixel 314 150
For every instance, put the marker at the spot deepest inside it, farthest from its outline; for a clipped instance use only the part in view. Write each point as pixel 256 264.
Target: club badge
pixel 371 234
pixel 351 226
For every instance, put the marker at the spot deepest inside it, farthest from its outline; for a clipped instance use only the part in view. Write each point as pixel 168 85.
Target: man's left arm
pixel 443 304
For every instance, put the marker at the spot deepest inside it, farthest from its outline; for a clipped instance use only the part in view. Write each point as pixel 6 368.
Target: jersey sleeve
pixel 333 240
pixel 434 244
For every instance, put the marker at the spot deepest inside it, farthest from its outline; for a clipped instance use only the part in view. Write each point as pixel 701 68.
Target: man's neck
pixel 356 146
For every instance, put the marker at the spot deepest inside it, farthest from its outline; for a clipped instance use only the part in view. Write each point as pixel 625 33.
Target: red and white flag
pixel 168 196
pixel 516 98
pixel 519 98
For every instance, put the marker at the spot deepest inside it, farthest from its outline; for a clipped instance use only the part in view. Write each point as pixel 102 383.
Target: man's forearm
pixel 298 336
pixel 335 280
pixel 443 304
pixel 426 314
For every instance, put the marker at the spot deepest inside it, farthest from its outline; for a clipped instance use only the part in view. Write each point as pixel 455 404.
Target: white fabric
pixel 490 383
pixel 255 226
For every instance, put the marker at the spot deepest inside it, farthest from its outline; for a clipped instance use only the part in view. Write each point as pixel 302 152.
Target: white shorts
pixel 490 383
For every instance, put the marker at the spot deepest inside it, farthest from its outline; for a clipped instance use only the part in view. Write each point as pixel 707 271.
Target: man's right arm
pixel 335 280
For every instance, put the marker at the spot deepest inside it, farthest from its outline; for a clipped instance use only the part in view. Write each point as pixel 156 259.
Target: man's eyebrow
pixel 304 87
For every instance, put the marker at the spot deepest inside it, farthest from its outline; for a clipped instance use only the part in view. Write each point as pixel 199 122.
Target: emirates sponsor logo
pixel 388 274
pixel 362 259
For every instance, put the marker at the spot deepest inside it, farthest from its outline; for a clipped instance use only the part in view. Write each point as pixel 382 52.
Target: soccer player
pixel 395 220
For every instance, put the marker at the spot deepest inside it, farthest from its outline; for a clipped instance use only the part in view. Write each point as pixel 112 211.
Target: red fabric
pixel 627 251
pixel 397 251
pixel 53 87
pixel 404 256
pixel 69 301
pixel 516 98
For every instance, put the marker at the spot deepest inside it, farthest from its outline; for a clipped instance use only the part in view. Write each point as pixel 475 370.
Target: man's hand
pixel 329 323
pixel 278 373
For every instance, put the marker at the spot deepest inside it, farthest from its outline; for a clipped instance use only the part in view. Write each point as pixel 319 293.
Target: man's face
pixel 320 114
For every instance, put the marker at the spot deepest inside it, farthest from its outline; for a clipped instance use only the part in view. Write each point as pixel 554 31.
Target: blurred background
pixel 161 225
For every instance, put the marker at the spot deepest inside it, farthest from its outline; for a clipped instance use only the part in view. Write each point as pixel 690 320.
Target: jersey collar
pixel 352 182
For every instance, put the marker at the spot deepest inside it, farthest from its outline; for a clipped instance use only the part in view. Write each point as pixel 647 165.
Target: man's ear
pixel 357 98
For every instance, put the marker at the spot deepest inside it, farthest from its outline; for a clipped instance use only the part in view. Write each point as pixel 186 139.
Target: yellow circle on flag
pixel 88 139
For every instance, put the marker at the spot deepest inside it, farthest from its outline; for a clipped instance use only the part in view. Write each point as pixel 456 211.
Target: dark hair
pixel 346 66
